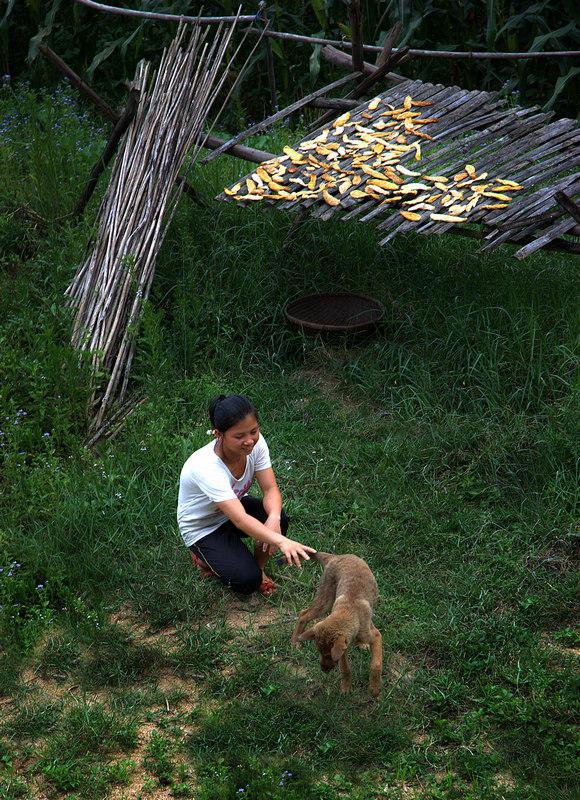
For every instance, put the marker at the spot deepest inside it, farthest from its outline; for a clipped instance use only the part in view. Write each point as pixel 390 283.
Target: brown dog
pixel 350 588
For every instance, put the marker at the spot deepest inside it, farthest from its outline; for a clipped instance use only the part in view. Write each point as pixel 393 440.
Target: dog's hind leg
pixel 376 662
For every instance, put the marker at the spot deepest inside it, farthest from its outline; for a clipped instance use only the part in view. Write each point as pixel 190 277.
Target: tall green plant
pixel 104 48
pixel 48 147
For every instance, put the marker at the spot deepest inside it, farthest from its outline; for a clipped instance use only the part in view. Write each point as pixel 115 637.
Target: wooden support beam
pixel 98 102
pixel 339 103
pixel 297 223
pixel 399 57
pixel 121 126
pixel 387 50
pixel 260 126
pixel 344 61
pixel 239 150
pixel 571 207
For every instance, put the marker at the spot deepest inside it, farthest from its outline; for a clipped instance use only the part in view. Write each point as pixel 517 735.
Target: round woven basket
pixel 334 311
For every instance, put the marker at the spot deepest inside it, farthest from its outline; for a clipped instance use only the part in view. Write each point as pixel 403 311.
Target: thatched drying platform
pixel 434 159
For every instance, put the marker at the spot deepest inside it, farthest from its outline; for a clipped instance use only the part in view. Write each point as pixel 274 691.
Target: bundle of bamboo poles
pixel 113 281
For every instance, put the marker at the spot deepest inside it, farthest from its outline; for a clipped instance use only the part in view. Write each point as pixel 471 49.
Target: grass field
pixel 442 447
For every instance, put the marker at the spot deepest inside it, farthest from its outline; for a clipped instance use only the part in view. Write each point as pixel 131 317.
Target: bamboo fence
pixel 112 284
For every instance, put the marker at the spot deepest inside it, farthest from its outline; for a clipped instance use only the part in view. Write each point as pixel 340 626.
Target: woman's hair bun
pixel 225 411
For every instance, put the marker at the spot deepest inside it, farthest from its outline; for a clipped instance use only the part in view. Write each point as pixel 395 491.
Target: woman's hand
pixel 294 551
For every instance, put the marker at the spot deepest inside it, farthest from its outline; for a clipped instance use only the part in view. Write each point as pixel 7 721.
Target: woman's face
pixel 240 439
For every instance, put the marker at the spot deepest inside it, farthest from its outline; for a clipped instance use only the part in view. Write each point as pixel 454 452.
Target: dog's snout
pixel 326 667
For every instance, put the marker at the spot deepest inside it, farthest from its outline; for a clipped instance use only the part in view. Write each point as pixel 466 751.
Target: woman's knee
pixel 245 581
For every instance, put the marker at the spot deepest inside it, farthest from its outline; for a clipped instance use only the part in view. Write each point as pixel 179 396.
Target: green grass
pixel 442 447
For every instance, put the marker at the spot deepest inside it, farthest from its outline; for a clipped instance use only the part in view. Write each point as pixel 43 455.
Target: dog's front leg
pixel 338 653
pixel 345 674
pixel 318 607
pixel 303 619
pixel 376 662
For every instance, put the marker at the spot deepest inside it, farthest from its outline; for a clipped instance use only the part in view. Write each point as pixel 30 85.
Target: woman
pixel 214 512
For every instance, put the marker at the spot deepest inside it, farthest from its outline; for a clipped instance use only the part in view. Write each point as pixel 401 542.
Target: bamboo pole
pixel 469 54
pixel 294 37
pixel 113 282
pixel 263 16
pixel 129 12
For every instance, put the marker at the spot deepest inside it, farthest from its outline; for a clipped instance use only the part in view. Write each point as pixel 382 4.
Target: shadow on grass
pixel 278 714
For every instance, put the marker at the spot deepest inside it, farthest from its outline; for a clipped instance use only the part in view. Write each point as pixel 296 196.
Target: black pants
pixel 225 553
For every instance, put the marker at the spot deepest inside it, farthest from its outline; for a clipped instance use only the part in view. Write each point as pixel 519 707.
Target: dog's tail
pixel 319 556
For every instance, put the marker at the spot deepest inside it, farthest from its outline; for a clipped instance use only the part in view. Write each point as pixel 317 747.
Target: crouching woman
pixel 214 511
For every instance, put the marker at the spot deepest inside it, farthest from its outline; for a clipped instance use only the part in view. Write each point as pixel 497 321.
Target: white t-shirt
pixel 205 480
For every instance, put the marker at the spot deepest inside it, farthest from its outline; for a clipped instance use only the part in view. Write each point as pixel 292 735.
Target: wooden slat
pixel 540 201
pixel 556 230
pixel 547 223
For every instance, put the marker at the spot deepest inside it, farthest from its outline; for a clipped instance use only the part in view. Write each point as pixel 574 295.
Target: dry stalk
pixel 113 282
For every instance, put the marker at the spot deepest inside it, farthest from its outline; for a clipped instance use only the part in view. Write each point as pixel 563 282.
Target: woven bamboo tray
pixel 334 311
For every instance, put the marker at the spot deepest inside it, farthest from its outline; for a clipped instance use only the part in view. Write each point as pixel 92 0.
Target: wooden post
pixel 365 84
pixel 356 37
pixel 566 202
pixel 344 61
pixel 263 16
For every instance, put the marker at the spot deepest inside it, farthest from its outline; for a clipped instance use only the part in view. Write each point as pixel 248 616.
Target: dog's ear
pixel 338 648
pixel 307 636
